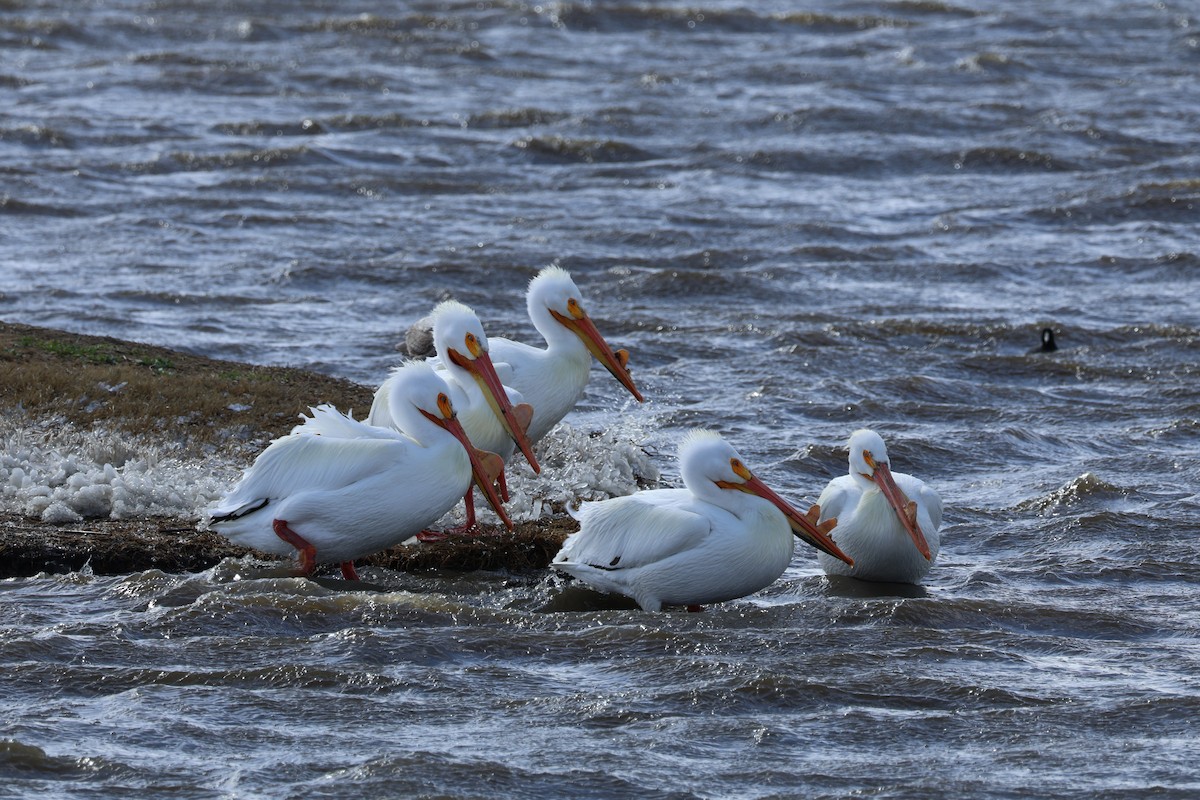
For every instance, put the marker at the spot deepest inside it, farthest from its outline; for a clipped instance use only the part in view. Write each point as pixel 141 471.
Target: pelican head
pixel 706 459
pixel 870 468
pixel 459 338
pixel 552 291
pixel 420 388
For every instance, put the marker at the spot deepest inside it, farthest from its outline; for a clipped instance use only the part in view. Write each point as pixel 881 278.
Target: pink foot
pixel 308 552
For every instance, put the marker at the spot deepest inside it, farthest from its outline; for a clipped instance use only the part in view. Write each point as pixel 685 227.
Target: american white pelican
pixel 356 489
pixel 487 413
pixel 887 522
pixel 724 536
pixel 553 379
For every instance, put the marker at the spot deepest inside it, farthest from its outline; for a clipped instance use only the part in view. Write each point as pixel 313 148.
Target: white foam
pixel 576 466
pixel 579 466
pixel 63 475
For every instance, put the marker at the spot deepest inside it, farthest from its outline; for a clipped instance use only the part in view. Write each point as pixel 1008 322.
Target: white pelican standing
pixel 487 413
pixel 887 522
pixel 353 489
pixel 725 535
pixel 553 379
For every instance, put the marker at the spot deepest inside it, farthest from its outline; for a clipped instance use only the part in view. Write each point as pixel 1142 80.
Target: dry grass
pixel 98 382
pixel 92 380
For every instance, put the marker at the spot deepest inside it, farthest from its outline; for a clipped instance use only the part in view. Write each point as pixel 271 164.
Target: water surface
pixel 800 221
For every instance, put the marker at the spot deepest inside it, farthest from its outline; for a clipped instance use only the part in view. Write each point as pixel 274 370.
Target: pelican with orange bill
pixel 887 521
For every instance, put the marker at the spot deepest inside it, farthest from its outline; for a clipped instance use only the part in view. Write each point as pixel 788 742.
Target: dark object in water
pixel 1048 344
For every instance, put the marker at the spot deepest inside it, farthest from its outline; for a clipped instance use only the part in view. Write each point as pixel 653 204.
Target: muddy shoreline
pixel 50 377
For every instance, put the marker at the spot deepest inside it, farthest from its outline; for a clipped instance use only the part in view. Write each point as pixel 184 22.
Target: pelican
pixel 355 489
pixel 485 407
pixel 891 537
pixel 553 379
pixel 724 536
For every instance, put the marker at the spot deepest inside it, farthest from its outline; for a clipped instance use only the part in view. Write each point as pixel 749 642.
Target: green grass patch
pixel 94 353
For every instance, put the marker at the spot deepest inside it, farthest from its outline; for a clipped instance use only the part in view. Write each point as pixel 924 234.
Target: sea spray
pixel 66 474
pixel 576 465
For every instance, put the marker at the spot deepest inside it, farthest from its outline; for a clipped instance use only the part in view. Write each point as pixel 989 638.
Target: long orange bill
pixel 514 422
pixel 616 363
pixel 485 466
pixel 905 509
pixel 804 526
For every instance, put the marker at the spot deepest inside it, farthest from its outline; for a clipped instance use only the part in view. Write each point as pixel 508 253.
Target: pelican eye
pixel 869 459
pixel 444 406
pixel 739 469
pixel 575 309
pixel 473 345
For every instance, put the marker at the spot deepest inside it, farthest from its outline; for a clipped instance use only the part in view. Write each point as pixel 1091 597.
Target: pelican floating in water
pixel 552 380
pixel 485 407
pixel 887 522
pixel 725 535
pixel 340 490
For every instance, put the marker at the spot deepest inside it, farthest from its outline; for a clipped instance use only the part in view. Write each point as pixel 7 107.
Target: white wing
pixel 839 498
pixel 298 463
pixel 633 531
pixel 925 496
pixel 380 416
pixel 328 421
pixel 508 357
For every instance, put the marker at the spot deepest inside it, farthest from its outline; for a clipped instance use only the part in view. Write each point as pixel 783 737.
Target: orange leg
pixel 502 484
pixel 348 571
pixel 457 530
pixel 308 553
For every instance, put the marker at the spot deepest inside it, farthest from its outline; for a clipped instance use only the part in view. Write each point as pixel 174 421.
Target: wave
pixel 1011 159
pixel 266 158
pixel 621 17
pixel 16 207
pixel 1162 202
pixel 44 32
pixel 30 762
pixel 37 136
pixel 514 118
pixel 1085 489
pixel 589 151
pixel 934 8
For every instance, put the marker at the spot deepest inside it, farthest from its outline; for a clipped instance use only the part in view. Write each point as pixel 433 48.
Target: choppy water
pixel 800 220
